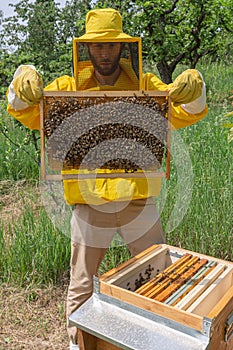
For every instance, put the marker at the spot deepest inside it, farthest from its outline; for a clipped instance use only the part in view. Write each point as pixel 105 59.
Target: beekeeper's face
pixel 105 56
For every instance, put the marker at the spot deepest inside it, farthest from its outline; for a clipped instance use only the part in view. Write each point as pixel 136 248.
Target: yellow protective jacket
pixel 96 191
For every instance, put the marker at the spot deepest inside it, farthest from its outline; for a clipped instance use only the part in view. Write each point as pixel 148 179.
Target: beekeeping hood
pixel 105 25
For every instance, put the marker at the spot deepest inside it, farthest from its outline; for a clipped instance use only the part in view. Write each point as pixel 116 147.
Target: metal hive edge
pixel 132 328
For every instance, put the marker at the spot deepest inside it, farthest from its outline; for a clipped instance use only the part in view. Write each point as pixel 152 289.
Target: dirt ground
pixel 30 318
pixel 33 319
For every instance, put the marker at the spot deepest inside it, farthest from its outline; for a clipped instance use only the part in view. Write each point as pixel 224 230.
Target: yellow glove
pixel 28 85
pixel 186 88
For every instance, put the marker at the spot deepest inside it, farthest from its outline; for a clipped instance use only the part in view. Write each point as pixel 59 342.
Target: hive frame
pixel 164 95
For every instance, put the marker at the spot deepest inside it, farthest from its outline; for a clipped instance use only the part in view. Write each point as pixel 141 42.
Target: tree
pixel 177 31
pixel 41 33
pixel 173 32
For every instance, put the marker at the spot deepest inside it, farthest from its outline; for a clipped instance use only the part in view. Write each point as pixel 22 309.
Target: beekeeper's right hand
pixel 27 85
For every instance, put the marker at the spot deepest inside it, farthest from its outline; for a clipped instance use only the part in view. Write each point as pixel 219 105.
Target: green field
pixel 34 252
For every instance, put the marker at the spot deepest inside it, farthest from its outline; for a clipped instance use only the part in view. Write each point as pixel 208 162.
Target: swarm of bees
pixel 126 133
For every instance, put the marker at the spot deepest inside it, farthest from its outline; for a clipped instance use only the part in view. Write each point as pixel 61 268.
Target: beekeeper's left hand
pixel 186 88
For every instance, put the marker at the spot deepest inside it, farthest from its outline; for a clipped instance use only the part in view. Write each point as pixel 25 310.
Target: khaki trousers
pixel 92 230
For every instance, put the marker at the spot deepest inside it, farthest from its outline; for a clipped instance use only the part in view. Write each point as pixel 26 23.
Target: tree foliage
pixel 178 31
pixel 173 32
pixel 41 33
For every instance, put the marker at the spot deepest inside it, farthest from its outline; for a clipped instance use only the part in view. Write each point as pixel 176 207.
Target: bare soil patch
pixel 14 196
pixel 30 318
pixel 33 318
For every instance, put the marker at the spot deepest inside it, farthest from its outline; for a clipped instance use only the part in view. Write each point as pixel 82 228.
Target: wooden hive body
pixel 207 308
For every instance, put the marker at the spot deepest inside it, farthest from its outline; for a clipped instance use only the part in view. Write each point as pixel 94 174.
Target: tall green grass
pixel 208 224
pixel 18 156
pixel 32 250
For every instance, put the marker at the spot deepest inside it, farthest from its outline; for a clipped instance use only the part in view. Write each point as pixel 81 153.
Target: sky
pixel 6 9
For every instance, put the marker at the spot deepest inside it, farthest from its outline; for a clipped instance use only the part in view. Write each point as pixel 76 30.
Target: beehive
pixel 126 130
pixel 191 290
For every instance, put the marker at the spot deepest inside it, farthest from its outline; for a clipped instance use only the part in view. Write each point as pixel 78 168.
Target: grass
pixel 33 318
pixel 34 252
pixel 18 156
pixel 207 226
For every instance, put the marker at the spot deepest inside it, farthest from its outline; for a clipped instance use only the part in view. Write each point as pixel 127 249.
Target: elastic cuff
pixel 14 101
pixel 198 105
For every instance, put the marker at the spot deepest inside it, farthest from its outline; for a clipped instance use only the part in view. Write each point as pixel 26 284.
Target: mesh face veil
pixel 105 57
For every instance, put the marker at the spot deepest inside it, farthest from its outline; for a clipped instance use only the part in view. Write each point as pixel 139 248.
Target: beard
pixel 109 69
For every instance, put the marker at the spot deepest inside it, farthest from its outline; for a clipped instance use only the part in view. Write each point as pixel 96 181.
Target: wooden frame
pixel 161 97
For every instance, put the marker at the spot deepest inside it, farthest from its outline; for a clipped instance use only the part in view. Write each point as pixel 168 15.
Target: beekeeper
pixel 110 204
